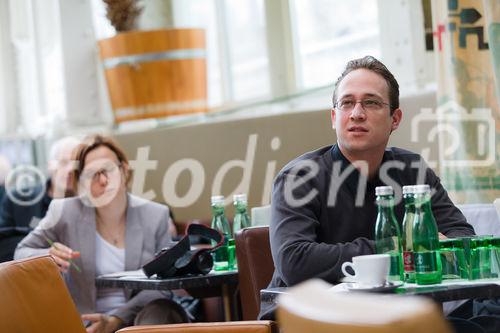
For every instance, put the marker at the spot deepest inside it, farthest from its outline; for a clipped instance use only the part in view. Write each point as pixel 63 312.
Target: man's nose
pixel 358 112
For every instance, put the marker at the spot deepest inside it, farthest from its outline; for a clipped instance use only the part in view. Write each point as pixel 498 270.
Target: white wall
pixel 260 145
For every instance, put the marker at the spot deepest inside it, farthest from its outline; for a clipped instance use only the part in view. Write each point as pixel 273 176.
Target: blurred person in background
pixel 8 241
pixel 5 167
pixel 25 207
pixel 105 230
pixel 22 208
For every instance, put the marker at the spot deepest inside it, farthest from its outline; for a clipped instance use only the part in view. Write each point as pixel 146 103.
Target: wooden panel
pixel 215 143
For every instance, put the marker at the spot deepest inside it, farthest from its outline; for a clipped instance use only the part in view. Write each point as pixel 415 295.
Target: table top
pixel 453 292
pixel 212 279
pixel 441 292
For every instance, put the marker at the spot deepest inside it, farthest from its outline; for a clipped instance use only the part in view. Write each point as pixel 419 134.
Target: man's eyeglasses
pixel 369 104
pixel 94 175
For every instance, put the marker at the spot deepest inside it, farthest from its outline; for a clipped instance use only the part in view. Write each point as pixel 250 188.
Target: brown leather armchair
pixel 34 299
pixel 261 326
pixel 255 267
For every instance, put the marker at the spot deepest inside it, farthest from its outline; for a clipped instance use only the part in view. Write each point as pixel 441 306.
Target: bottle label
pixel 395 269
pixel 425 262
pixel 408 260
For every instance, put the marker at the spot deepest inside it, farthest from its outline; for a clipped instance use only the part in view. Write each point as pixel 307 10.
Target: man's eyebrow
pixel 372 95
pixel 345 96
pixel 364 96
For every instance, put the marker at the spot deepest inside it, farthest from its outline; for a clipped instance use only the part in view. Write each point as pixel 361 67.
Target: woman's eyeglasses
pixel 105 171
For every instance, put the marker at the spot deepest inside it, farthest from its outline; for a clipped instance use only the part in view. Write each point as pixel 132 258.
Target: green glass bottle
pixel 387 234
pixel 222 259
pixel 241 218
pixel 425 239
pixel 407 239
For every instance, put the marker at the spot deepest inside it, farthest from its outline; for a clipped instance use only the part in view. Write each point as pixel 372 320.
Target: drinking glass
pixel 495 256
pixel 481 258
pixel 454 264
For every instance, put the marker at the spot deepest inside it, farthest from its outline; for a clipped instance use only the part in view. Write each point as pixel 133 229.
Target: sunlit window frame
pixel 283 59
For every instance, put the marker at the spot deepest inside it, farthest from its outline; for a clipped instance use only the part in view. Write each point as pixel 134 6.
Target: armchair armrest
pixel 256 326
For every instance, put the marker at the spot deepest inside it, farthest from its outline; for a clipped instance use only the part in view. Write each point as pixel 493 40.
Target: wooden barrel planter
pixel 152 74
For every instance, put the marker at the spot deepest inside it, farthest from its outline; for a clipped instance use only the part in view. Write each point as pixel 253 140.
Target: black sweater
pixel 316 223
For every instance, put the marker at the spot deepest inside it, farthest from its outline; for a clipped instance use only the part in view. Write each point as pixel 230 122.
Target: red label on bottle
pixel 408 261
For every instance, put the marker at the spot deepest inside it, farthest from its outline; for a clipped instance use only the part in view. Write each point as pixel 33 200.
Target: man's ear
pixel 333 115
pixel 397 115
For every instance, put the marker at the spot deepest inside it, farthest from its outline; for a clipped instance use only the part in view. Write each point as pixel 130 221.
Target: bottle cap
pixel 423 188
pixel 384 190
pixel 409 189
pixel 217 200
pixel 241 197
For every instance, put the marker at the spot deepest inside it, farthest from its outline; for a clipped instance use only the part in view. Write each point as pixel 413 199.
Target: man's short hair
pixel 372 64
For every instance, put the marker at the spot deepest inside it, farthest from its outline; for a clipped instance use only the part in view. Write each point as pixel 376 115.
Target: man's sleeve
pixel 297 253
pixel 450 220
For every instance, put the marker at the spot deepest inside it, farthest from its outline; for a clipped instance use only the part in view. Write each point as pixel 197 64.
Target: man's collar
pixel 337 156
pixel 354 176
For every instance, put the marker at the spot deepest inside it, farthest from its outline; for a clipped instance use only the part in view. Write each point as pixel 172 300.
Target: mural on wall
pixel 466 42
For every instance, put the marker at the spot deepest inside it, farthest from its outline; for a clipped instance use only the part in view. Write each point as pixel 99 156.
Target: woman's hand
pixel 101 323
pixel 62 255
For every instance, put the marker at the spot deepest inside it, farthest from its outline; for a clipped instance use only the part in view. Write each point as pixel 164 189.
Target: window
pixel 38 65
pixel 245 26
pixel 309 43
pixel 316 39
pixel 103 29
pixel 202 14
pixel 236 46
pixel 331 32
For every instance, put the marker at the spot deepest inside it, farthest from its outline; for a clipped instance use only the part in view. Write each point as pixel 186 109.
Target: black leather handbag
pixel 180 259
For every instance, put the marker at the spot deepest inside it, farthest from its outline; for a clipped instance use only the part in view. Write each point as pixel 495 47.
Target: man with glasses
pixel 323 202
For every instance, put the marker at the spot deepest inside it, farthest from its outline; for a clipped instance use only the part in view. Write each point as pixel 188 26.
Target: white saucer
pixel 388 286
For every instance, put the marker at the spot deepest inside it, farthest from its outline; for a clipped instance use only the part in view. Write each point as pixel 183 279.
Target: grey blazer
pixel 70 222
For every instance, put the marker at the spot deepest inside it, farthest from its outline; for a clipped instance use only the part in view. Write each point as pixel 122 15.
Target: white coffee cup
pixel 369 270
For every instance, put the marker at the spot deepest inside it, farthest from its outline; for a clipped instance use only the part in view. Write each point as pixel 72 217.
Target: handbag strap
pixel 205 232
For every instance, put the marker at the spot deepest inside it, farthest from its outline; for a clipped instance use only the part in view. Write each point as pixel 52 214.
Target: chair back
pixel 261 216
pixel 35 298
pixel 257 326
pixel 483 217
pixel 313 307
pixel 255 267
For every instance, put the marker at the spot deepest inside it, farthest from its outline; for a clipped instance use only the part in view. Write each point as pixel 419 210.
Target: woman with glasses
pixel 105 230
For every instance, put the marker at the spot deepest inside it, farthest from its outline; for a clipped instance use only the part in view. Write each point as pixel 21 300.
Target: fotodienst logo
pixel 465 138
pixel 25 185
